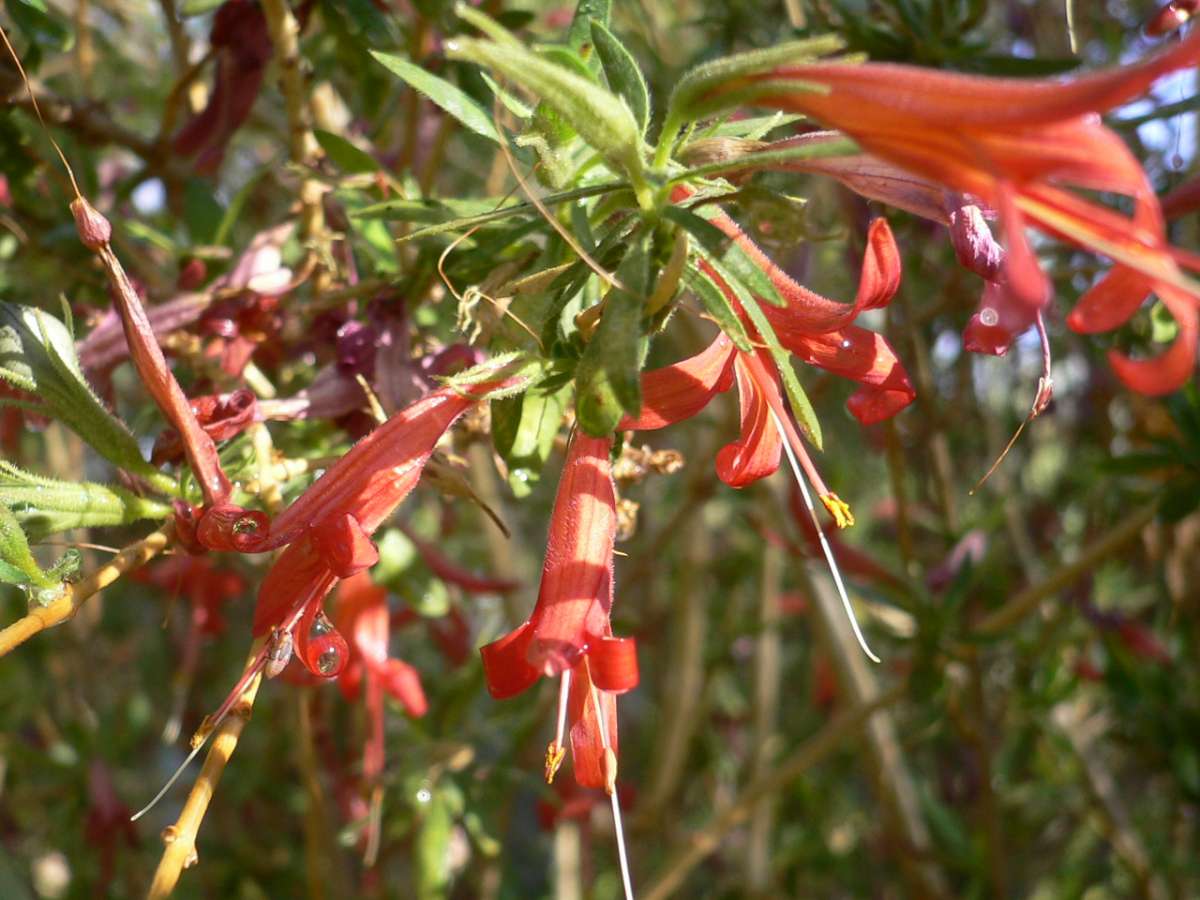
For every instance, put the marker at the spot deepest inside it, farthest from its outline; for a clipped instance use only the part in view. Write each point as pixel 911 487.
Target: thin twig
pixel 812 752
pixel 1092 555
pixel 180 838
pixel 302 144
pixel 41 618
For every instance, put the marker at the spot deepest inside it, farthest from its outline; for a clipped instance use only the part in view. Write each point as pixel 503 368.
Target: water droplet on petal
pixel 989 317
pixel 328 661
pixel 846 344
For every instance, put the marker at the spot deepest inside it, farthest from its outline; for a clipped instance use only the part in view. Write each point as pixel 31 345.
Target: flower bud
pixel 94 230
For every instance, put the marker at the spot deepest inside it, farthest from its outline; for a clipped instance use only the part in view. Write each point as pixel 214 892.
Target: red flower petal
pixel 613 664
pixel 403 682
pixel 1110 302
pixel 299 577
pixel 677 392
pixel 506 666
pixel 756 453
pixel 381 470
pixel 587 740
pixel 1173 369
pixel 229 527
pixel 319 646
pixel 345 546
pixel 577 573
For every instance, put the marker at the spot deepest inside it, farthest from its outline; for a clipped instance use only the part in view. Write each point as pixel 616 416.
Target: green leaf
pixel 40 25
pixel 608 378
pixel 601 119
pixel 19 566
pixel 449 97
pixel 588 14
pixel 46 506
pixel 716 244
pixel 622 73
pixel 37 355
pixel 511 103
pixel 693 96
pixel 344 154
pixel 802 408
pixel 198 7
pixel 465 223
pixel 523 431
pixel 718 306
pixel 432 850
pixel 202 211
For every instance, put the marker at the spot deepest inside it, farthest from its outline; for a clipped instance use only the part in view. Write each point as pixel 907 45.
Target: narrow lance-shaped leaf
pixel 37 355
pixel 602 120
pixel 46 505
pixel 449 97
pixel 608 376
pixel 716 244
pixel 622 72
pixel 718 306
pixel 17 565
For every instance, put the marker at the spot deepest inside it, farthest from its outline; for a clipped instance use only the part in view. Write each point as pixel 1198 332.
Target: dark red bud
pixel 94 230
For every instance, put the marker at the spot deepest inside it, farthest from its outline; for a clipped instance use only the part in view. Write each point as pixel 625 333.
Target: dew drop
pixel 424 796
pixel 989 317
pixel 327 662
pixel 321 625
pixel 846 344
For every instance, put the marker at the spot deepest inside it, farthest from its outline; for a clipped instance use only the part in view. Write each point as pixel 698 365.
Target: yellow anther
pixel 555 755
pixel 610 771
pixel 839 509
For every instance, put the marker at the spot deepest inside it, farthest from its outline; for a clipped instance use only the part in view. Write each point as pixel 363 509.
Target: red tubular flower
pixel 1013 144
pixel 329 527
pixel 569 632
pixel 222 416
pixel 816 329
pixel 242 46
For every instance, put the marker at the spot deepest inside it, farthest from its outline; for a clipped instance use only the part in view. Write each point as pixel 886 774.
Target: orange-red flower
pixel 1016 144
pixel 816 329
pixel 569 632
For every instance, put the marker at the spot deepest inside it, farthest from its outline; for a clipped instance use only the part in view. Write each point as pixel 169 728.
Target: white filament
pixel 602 720
pixel 829 558
pixel 564 692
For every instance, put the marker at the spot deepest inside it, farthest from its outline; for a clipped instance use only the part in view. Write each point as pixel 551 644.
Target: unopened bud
pixel 709 151
pixel 974 243
pixel 94 230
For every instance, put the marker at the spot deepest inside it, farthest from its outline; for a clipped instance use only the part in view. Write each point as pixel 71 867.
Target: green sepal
pixel 701 79
pixel 46 506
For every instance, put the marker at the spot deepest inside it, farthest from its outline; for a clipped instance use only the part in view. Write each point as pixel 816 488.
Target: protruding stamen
pixel 610 785
pixel 825 548
pixel 557 751
pixel 839 509
pixel 555 754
